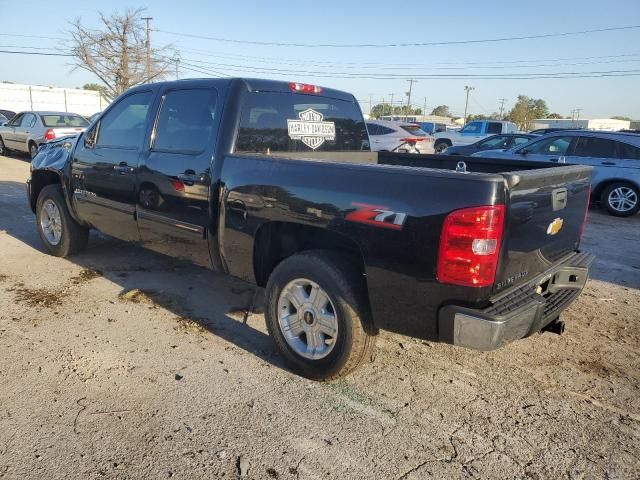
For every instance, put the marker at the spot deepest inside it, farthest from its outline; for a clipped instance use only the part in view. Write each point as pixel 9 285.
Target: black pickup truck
pixel 274 183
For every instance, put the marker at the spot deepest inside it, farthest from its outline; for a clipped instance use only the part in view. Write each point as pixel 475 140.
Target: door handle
pixel 553 159
pixel 123 168
pixel 608 163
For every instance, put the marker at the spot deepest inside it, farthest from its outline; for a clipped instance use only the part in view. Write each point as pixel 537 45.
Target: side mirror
pixel 90 138
pixel 524 151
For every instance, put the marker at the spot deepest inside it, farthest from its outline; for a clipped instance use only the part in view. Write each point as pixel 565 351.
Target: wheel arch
pixel 276 241
pixel 597 190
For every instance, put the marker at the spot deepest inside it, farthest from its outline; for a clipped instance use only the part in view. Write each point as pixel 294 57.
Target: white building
pixel 609 124
pixel 34 97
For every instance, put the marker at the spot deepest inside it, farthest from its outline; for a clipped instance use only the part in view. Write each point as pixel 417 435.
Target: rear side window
pixel 54 121
pixel 520 140
pixel 283 122
pixel 373 129
pixel 414 130
pixel 185 123
pixel 628 151
pixel 494 127
pixel 595 147
pixel 29 120
pixel 124 125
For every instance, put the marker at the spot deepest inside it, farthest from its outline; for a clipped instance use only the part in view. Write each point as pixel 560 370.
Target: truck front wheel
pixel 59 232
pixel 316 312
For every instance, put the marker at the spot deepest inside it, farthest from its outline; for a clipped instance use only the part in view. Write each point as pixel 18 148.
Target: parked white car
pixel 406 137
pixel 471 133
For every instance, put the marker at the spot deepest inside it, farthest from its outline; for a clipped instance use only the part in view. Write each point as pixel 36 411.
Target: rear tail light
pixel 586 213
pixel 49 134
pixel 177 185
pixel 470 246
pixel 413 139
pixel 304 88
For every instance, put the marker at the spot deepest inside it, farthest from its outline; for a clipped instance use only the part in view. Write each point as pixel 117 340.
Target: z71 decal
pixel 377 216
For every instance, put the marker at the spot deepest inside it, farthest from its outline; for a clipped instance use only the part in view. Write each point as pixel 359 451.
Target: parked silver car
pixel 27 130
pixel 614 156
pixel 390 136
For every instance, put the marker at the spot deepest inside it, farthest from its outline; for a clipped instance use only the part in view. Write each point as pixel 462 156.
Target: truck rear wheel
pixel 59 232
pixel 317 314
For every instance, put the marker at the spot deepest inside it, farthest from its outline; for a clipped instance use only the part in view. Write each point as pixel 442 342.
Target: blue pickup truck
pixel 471 133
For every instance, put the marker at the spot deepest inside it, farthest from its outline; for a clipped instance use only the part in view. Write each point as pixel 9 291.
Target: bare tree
pixel 116 53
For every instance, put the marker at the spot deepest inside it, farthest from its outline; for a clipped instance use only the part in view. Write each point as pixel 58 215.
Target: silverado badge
pixel 310 129
pixel 555 226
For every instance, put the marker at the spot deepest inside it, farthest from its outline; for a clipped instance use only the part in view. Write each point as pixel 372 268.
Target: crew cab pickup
pixel 471 133
pixel 274 183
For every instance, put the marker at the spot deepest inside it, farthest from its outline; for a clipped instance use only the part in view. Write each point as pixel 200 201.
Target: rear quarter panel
pixel 400 265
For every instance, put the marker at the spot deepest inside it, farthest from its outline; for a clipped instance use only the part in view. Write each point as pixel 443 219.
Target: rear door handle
pixel 608 163
pixel 123 168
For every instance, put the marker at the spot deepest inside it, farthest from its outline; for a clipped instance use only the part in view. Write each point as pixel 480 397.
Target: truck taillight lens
pixel 49 134
pixel 470 246
pixel 304 88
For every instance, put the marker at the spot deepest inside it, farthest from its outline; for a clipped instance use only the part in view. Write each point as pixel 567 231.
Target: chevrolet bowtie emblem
pixel 555 226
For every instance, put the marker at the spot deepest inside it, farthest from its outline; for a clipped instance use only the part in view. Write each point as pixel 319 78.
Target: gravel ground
pixel 120 363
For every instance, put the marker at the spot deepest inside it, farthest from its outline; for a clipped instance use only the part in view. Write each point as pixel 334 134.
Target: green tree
pixel 527 109
pixel 554 115
pixel 441 111
pixel 618 117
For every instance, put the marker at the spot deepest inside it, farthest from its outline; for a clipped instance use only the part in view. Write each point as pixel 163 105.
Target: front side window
pixel 494 143
pixel 551 146
pixel 595 147
pixel 273 122
pixel 473 127
pixel 124 125
pixel 15 121
pixel 185 123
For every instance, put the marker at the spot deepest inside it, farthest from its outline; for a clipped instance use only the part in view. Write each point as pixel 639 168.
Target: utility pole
pixel 148 48
pixel 467 89
pixel 370 104
pixel 392 105
pixel 176 60
pixel 411 82
pixel 502 100
pixel 424 109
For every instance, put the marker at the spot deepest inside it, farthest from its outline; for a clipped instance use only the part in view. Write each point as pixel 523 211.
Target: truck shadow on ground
pixel 200 299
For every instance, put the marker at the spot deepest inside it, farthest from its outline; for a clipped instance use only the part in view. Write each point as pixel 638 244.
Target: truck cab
pixel 472 132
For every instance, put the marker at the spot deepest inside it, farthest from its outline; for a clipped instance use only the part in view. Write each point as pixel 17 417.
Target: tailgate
pixel 546 211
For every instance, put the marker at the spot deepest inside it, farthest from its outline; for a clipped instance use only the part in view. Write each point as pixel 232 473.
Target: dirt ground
pixel 120 363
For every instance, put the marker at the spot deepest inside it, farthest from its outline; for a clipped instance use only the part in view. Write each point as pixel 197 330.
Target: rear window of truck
pixel 54 121
pixel 284 122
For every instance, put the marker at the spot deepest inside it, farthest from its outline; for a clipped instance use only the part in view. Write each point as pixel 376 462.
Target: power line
pixel 39 53
pixel 410 44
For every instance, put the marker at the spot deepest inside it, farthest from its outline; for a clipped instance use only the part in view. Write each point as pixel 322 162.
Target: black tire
pixel 33 150
pixel 618 209
pixel 74 237
pixel 441 145
pixel 3 149
pixel 346 290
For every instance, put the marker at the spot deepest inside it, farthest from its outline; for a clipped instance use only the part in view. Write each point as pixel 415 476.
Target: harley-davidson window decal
pixel 310 129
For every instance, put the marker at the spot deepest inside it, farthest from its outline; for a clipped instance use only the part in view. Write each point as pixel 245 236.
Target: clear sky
pixel 344 22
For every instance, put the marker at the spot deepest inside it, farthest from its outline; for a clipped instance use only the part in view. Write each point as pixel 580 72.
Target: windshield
pixel 61 120
pixel 284 122
pixel 414 130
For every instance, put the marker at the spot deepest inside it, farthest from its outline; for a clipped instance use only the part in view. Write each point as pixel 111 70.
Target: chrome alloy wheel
pixel 622 199
pixel 51 222
pixel 307 319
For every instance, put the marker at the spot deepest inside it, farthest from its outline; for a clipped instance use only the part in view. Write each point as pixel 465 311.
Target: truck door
pixel 471 133
pixel 105 163
pixel 173 184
